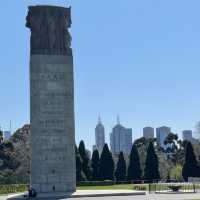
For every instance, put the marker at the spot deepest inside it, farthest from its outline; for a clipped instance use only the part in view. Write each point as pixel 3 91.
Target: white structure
pixel 99 135
pixel 6 135
pixel 161 134
pixel 148 132
pixel 121 139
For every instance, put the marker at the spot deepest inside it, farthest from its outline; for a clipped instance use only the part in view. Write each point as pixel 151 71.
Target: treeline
pixel 102 167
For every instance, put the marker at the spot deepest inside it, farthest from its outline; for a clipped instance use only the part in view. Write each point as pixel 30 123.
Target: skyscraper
pixel 148 132
pixel 121 139
pixel 161 134
pixel 6 135
pixel 99 135
pixel 187 135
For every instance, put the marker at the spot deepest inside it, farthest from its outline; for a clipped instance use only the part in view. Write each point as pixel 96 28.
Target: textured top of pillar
pixel 49 30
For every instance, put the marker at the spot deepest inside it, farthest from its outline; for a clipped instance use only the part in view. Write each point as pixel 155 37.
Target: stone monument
pixel 52 141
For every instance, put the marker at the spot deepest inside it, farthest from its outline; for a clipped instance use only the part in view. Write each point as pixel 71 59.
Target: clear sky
pixel 139 59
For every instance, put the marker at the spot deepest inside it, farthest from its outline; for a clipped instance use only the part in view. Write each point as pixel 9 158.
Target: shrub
pixel 96 183
pixel 140 187
pixel 7 189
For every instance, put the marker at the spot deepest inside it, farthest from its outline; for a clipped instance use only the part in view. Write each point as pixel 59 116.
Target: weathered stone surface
pixel 52 101
pixel 49 30
pixel 52 124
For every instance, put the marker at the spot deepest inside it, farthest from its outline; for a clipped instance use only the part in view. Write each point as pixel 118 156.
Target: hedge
pixel 95 183
pixel 7 189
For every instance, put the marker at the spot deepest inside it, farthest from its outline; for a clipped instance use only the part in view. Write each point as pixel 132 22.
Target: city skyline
pixel 139 135
pixel 144 67
pixel 159 132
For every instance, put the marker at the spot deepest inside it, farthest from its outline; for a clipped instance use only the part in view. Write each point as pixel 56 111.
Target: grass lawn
pixel 112 187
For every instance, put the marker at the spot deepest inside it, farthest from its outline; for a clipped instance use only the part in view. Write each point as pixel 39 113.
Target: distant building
pixel 148 132
pixel 94 148
pixel 99 136
pixel 121 139
pixel 187 135
pixel 194 141
pixel 161 135
pixel 6 135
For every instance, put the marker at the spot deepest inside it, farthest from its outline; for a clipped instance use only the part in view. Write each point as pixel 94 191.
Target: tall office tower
pixel 161 134
pixel 121 139
pixel 6 135
pixel 148 132
pixel 187 135
pixel 100 135
pixel 94 147
pixel 128 141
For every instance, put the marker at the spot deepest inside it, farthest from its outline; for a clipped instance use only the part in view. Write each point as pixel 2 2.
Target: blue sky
pixel 138 59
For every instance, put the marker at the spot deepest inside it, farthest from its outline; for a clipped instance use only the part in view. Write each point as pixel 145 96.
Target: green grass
pixel 8 189
pixel 115 187
pixel 159 187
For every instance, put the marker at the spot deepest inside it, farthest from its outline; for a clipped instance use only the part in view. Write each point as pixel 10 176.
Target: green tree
pixel 85 161
pixel 174 148
pixel 151 171
pixel 190 167
pixel 172 139
pixel 176 173
pixel 8 177
pixel 95 165
pixel 120 172
pixel 144 141
pixel 134 169
pixel 80 176
pixel 106 168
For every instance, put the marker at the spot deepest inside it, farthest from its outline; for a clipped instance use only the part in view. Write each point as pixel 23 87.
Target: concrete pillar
pixel 52 142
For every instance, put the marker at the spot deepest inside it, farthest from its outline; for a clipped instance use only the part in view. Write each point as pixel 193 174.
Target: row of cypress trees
pixel 102 167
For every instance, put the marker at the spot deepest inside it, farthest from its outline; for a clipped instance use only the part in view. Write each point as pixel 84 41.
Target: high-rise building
pixel 94 147
pixel 187 135
pixel 161 135
pixel 6 135
pixel 148 132
pixel 121 139
pixel 100 135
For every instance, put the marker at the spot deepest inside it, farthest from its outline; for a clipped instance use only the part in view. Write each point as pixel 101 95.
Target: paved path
pixel 149 197
pixel 3 197
pixel 96 193
pixel 83 194
pixel 140 197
